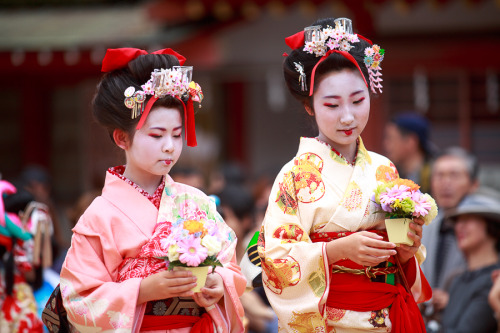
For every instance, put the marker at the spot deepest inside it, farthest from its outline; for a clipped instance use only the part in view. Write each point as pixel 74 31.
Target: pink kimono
pixel 115 227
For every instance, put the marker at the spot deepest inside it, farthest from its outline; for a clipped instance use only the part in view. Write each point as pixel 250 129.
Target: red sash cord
pixel 203 324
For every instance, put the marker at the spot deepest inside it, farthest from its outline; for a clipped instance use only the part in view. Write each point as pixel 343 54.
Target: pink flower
pixel 397 192
pixel 192 253
pixel 422 206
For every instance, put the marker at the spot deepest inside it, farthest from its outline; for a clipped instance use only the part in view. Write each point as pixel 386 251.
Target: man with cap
pixel 407 145
pixel 477 228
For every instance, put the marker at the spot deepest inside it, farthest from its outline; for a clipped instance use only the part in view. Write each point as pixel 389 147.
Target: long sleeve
pixel 294 268
pixel 91 297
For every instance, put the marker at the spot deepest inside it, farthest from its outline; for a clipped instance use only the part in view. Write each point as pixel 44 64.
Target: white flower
pixel 173 253
pixel 432 212
pixel 212 244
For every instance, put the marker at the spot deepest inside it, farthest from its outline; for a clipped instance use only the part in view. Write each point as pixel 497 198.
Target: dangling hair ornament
pixel 373 57
pixel 302 78
pixel 135 100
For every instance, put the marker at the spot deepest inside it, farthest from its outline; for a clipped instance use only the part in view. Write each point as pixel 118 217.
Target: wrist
pixel 335 251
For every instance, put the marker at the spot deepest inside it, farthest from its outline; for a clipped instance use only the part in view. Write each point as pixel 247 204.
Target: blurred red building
pixel 441 59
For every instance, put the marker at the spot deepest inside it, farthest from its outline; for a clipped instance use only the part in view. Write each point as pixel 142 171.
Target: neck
pixel 483 256
pixel 148 183
pixel 348 151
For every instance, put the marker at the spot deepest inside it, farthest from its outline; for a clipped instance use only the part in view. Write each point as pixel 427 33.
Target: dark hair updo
pixel 108 105
pixel 333 63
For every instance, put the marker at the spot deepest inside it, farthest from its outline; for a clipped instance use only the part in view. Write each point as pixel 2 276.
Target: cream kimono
pixel 318 191
pixel 116 226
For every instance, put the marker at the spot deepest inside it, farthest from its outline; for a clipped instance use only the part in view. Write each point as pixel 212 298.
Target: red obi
pixel 357 292
pixel 203 324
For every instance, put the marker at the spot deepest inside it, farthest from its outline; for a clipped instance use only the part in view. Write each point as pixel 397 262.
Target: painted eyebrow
pixel 338 97
pixel 164 129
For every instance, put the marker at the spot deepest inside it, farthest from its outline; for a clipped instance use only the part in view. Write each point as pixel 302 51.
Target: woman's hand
pixel 166 284
pixel 364 248
pixel 212 292
pixel 406 252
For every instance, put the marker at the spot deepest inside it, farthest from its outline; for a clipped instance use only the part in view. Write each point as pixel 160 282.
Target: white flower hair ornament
pixel 175 82
pixel 338 39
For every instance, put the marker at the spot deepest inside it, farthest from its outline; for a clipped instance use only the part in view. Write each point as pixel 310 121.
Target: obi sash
pixel 203 324
pixel 357 292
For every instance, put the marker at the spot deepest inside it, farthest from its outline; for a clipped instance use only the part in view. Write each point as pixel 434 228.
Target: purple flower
pixel 192 253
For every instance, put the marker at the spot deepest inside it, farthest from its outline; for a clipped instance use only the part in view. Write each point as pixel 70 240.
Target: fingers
pixel 418 220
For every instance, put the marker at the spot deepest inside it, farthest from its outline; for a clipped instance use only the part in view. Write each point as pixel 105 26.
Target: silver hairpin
pixel 302 78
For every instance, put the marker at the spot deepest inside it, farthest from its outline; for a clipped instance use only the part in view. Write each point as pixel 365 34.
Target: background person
pixel 407 145
pixel 477 228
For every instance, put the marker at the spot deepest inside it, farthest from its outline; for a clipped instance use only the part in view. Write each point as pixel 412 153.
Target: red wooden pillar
pixel 36 123
pixel 234 112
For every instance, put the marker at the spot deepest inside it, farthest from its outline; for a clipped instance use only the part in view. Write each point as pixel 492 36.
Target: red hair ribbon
pixel 119 58
pixel 295 41
pixel 189 124
pixel 346 55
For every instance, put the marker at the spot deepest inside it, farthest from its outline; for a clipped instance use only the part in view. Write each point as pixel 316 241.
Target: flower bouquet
pixel 193 245
pixel 401 201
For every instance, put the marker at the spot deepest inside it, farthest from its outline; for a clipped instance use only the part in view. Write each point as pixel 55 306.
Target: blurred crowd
pixel 462 243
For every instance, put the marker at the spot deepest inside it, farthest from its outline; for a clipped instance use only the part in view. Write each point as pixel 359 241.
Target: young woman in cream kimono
pixel 326 261
pixel 112 280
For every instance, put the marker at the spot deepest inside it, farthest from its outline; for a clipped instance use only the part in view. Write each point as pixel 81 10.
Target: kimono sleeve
pixel 93 301
pixel 293 268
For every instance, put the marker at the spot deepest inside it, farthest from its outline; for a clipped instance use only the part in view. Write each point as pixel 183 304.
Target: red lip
pixel 167 162
pixel 348 132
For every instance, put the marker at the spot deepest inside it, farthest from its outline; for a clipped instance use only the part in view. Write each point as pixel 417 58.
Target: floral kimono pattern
pixel 319 191
pixel 103 269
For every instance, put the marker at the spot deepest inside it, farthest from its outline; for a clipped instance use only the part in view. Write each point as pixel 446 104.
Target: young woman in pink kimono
pixel 327 265
pixel 112 279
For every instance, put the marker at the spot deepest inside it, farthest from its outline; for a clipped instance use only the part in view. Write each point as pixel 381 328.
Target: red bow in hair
pixel 295 41
pixel 119 58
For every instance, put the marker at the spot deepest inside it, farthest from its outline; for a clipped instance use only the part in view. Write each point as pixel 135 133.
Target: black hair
pixel 239 199
pixel 108 104
pixel 334 62
pixel 493 229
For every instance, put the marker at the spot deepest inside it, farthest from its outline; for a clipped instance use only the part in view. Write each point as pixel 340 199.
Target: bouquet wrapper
pixel 397 230
pixel 200 272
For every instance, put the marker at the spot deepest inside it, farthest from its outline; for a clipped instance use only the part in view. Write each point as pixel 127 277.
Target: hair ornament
pixel 175 82
pixel 373 57
pixel 135 100
pixel 195 93
pixel 302 78
pixel 324 41
pixel 318 41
